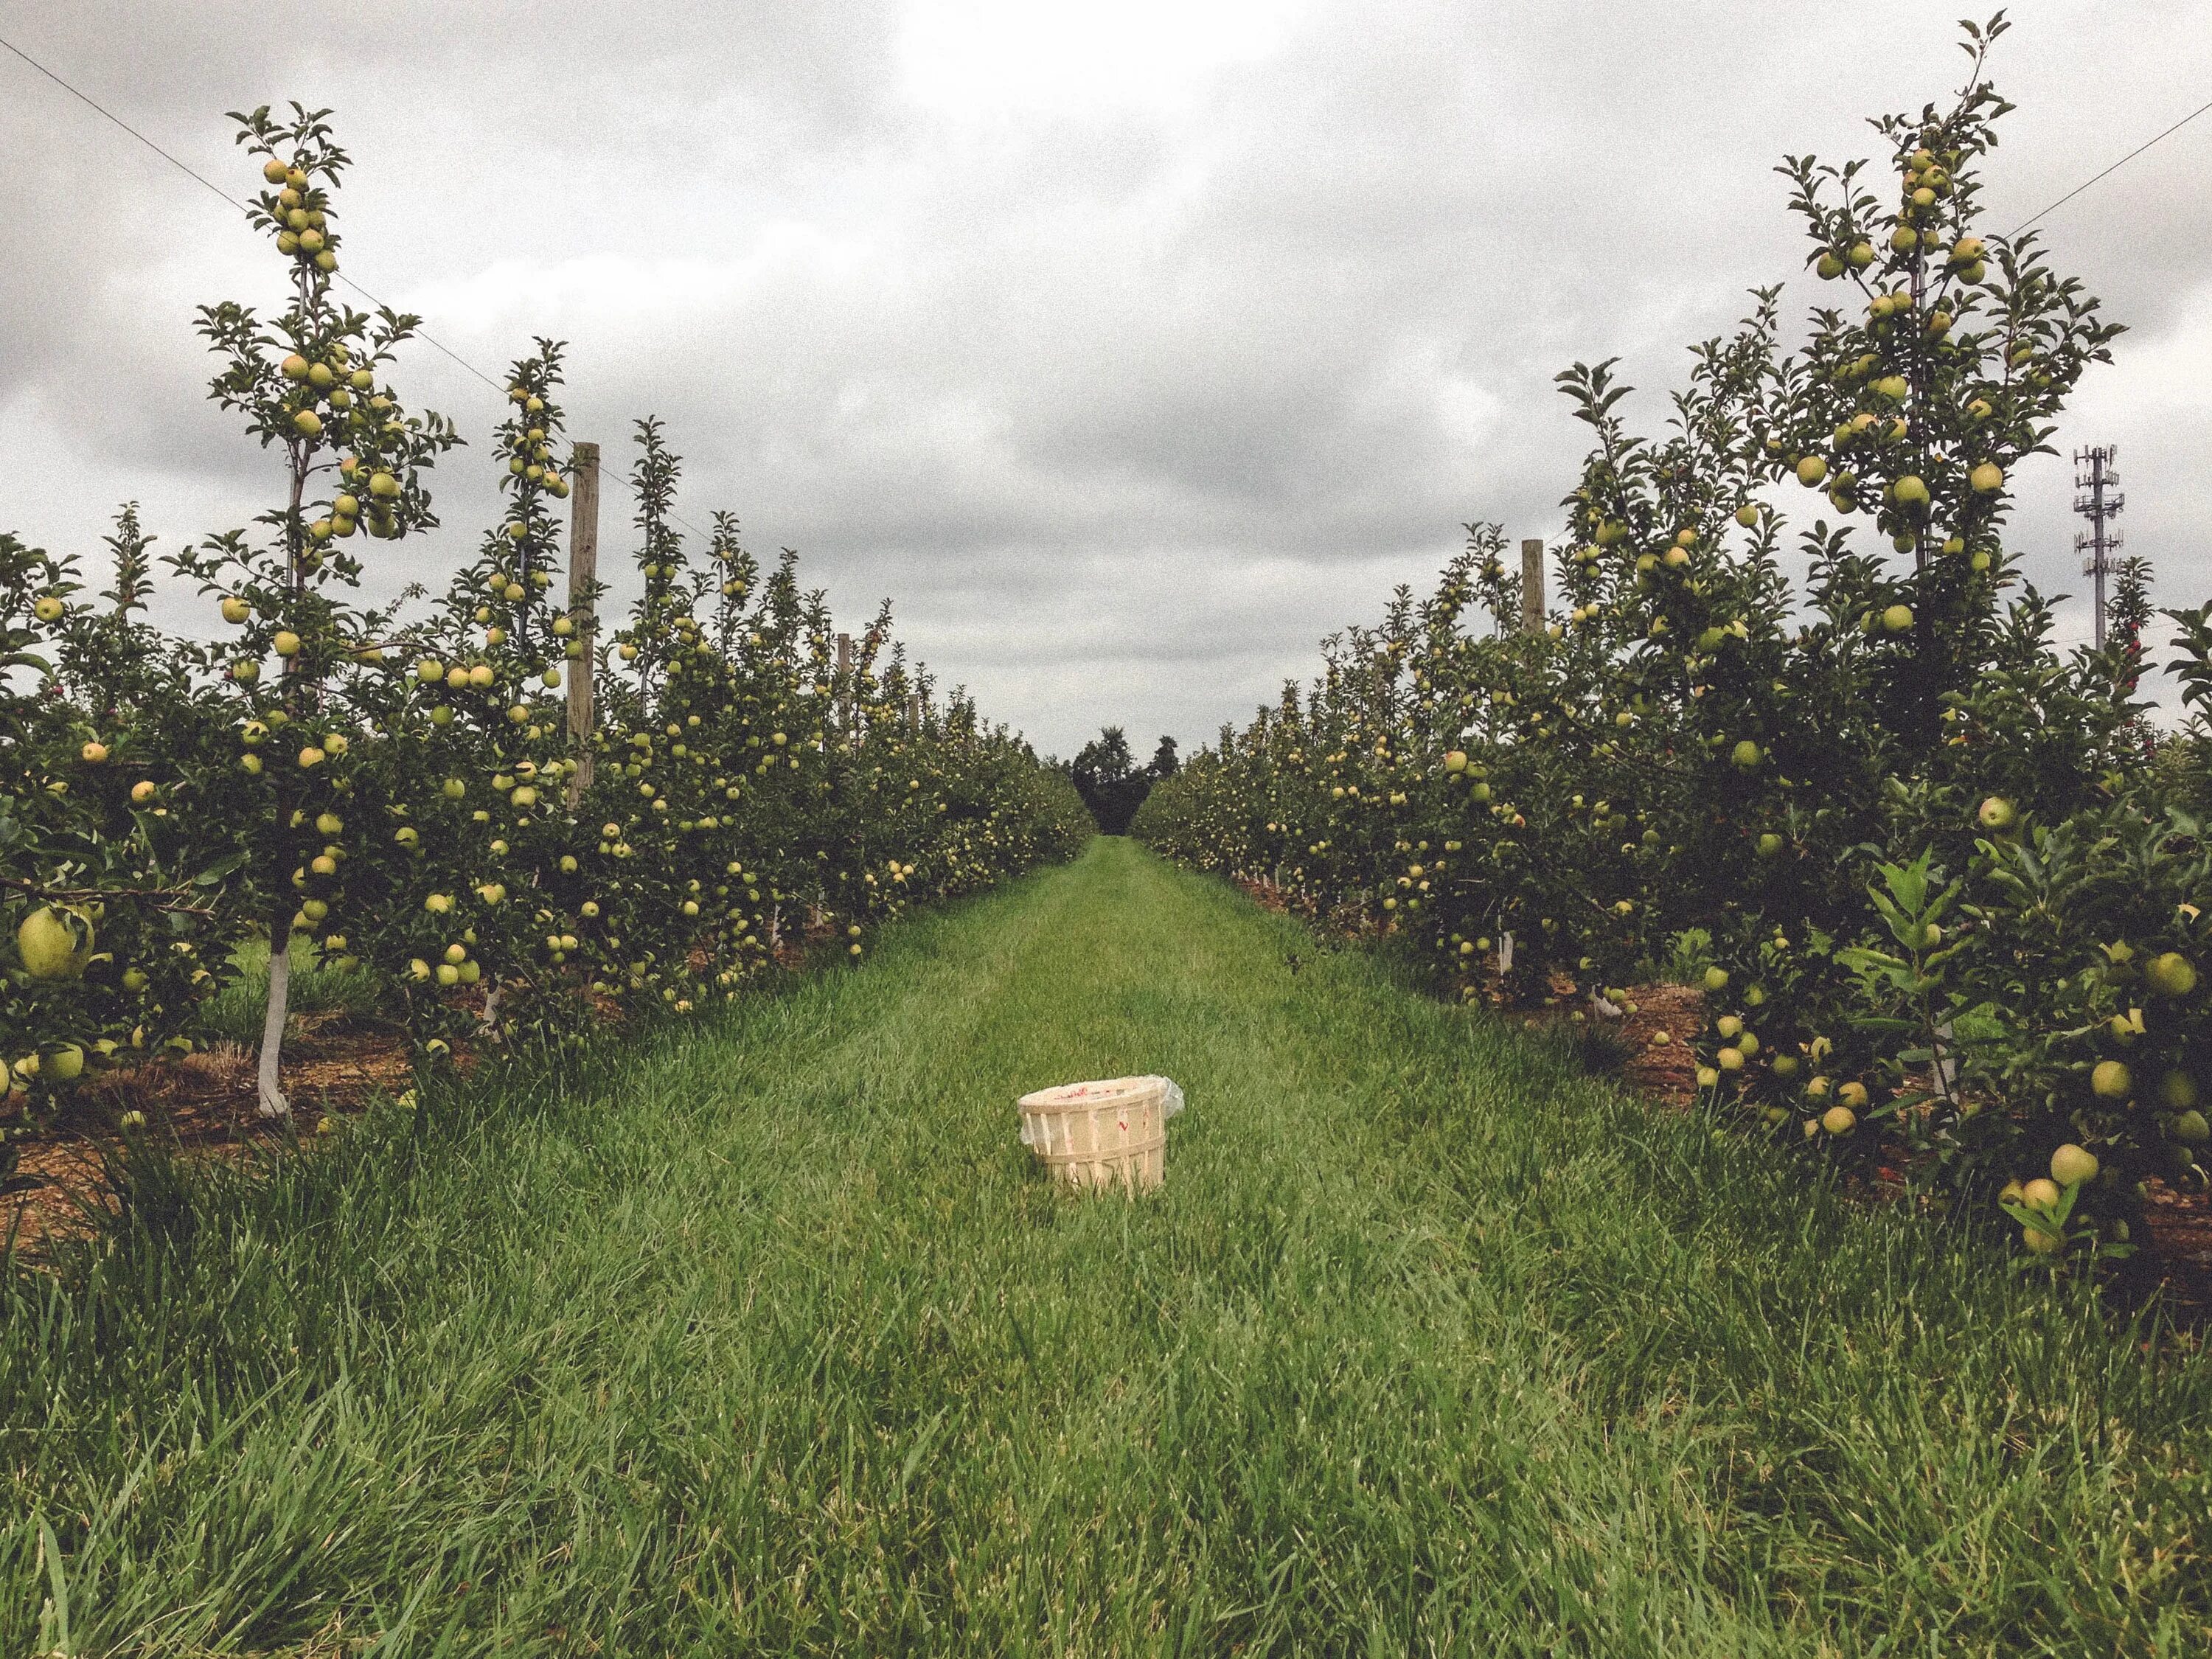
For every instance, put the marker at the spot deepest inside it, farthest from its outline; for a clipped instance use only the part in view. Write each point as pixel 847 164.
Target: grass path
pixel 774 1341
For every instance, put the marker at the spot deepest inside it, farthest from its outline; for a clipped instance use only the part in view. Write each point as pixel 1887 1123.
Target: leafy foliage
pixel 404 794
pixel 1921 861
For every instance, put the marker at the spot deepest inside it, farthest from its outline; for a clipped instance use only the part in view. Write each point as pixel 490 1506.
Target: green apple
pixel 48 941
pixel 2171 974
pixel 2072 1165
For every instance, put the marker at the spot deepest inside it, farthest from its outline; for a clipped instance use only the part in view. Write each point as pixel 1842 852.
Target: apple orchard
pixel 1940 883
pixel 402 797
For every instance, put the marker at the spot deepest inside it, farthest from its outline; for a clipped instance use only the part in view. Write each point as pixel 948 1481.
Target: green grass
pixel 769 1338
pixel 236 1011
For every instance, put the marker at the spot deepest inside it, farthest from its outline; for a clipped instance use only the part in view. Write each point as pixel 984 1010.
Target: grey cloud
pixel 1125 400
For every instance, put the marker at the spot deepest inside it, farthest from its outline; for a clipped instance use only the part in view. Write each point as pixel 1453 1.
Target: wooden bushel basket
pixel 1103 1133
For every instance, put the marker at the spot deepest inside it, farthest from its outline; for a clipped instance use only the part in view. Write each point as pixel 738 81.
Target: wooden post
pixel 845 688
pixel 1531 585
pixel 583 577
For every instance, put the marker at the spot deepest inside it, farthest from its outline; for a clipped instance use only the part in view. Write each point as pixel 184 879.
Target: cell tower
pixel 2098 498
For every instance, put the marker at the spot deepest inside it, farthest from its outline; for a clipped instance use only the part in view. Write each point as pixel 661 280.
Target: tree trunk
pixel 272 1101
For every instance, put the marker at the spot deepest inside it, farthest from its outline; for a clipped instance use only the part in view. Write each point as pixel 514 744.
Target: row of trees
pixel 403 793
pixel 1933 872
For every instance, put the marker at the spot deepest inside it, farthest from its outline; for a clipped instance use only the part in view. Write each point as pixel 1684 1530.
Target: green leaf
pixel 2051 1225
pixel 222 868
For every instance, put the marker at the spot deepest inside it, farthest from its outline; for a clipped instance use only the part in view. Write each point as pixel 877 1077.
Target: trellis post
pixel 583 578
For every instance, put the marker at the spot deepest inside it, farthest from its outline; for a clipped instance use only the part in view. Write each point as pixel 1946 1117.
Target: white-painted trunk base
pixel 272 1101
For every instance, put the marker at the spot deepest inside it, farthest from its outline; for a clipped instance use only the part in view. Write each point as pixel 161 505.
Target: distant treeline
pixel 1112 784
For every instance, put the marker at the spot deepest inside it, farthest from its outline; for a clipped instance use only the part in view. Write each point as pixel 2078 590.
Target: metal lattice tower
pixel 2098 498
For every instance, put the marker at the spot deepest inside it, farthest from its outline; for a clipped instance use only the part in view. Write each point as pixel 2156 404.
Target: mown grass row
pixel 767 1337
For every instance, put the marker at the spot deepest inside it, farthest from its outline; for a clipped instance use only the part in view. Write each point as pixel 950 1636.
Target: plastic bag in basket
pixel 1170 1103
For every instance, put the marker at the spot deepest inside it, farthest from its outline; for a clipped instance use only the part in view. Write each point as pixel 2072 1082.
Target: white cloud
pixel 969 60
pixel 1132 347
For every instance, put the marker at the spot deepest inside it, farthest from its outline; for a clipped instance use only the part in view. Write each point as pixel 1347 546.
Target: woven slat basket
pixel 1113 1132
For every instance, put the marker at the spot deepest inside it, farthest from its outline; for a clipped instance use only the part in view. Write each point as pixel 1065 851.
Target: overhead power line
pixel 2112 169
pixel 201 180
pixel 207 184
pixel 93 103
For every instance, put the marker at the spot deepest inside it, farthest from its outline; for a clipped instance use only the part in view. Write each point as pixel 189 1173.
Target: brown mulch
pixel 2180 1229
pixel 205 1103
pixel 1664 1070
pixel 796 944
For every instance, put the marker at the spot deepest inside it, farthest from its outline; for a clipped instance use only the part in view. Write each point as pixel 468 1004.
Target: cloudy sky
pixel 1130 345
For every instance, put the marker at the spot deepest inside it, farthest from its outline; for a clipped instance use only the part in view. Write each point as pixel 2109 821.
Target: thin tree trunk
pixel 272 1101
